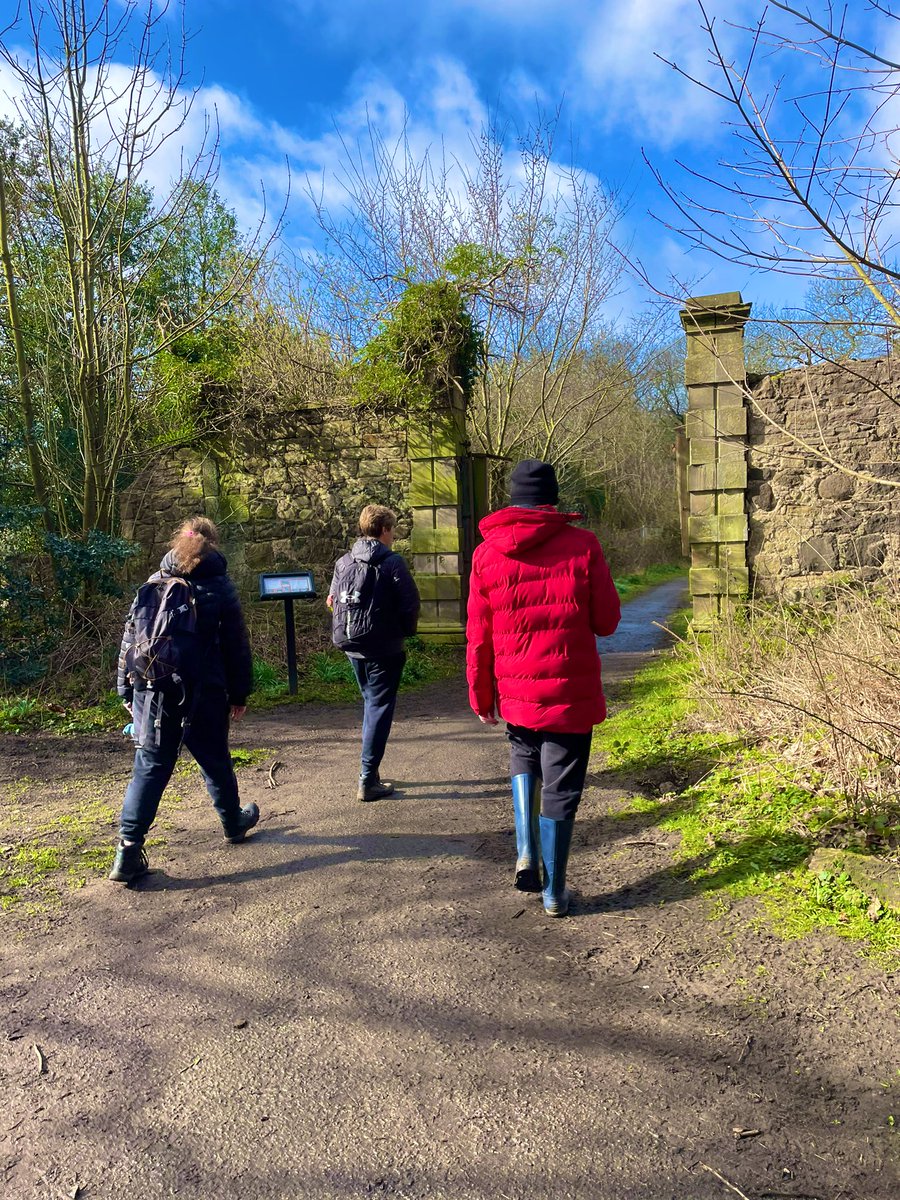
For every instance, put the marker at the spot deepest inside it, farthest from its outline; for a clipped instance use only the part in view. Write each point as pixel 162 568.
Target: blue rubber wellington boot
pixel 556 838
pixel 526 806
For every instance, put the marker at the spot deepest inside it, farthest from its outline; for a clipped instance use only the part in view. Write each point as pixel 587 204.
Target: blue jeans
pixel 378 679
pixel 206 738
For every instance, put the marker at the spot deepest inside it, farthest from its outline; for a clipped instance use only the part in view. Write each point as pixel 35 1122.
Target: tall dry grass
pixel 818 682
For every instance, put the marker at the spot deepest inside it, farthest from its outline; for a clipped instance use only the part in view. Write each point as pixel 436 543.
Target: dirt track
pixel 357 1003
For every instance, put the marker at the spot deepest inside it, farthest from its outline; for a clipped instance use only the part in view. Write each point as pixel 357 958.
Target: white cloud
pixel 620 71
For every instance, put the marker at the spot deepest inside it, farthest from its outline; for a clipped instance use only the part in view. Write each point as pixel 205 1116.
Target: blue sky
pixel 289 78
pixel 305 70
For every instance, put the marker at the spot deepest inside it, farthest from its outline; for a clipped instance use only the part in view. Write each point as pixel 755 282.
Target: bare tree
pixel 811 189
pixel 101 90
pixel 540 270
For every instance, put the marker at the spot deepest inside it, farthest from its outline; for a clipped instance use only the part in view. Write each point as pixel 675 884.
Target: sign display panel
pixel 291 583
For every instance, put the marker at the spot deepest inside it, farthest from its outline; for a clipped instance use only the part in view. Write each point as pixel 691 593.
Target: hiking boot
pixel 129 864
pixel 248 818
pixel 377 789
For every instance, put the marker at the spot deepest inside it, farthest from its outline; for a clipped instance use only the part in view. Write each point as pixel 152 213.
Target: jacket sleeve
pixel 333 587
pixel 606 609
pixel 480 646
pixel 123 683
pixel 408 602
pixel 235 645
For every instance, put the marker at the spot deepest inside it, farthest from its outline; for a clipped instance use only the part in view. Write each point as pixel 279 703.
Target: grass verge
pixel 327 677
pixel 747 826
pixel 630 586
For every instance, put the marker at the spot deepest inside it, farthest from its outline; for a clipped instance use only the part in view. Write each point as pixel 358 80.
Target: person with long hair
pixel 184 673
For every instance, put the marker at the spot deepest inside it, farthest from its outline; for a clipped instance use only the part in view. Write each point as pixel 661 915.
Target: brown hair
pixel 193 540
pixel 375 519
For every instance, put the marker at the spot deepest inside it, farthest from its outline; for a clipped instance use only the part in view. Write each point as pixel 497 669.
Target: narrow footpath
pixel 357 1003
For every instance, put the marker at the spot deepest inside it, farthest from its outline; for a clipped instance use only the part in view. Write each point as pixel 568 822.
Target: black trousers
pixel 560 760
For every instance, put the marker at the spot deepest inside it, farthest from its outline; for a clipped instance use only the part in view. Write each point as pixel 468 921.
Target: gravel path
pixel 357 1003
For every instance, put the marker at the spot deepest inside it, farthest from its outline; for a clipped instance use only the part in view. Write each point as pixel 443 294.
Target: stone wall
pixel 288 495
pixel 781 476
pixel 808 520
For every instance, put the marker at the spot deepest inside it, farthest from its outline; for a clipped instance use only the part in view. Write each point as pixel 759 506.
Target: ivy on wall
pixel 429 347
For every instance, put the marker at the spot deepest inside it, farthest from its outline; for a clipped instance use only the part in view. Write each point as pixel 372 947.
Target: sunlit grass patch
pixel 747 825
pixel 63 842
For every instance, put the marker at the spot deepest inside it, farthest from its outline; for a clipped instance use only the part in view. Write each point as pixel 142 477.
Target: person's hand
pixel 487 718
pixel 237 711
pixel 129 706
pixel 330 601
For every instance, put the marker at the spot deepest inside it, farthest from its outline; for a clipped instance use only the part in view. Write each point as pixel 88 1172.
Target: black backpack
pixel 353 604
pixel 165 650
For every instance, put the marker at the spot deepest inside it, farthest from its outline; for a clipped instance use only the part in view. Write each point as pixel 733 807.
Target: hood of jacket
pixel 370 550
pixel 211 565
pixel 516 531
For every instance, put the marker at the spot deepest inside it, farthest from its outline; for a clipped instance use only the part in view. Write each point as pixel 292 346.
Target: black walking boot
pixel 375 789
pixel 248 818
pixel 129 864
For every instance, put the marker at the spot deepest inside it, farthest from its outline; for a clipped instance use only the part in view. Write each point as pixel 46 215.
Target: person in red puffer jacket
pixel 539 594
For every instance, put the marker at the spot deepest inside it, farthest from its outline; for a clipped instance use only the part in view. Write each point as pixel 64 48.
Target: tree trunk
pixel 35 465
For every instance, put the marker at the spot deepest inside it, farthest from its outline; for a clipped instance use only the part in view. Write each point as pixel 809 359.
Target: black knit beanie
pixel 533 483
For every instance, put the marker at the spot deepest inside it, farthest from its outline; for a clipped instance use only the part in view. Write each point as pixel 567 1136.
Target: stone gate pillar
pixel 435 444
pixel 716 433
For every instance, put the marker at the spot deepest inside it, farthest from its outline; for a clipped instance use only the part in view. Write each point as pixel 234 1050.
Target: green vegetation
pixel 327 677
pixel 426 349
pixel 241 756
pixel 747 827
pixel 629 586
pixel 27 713
pixel 71 838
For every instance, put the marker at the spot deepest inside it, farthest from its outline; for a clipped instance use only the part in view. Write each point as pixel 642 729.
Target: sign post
pixel 289 586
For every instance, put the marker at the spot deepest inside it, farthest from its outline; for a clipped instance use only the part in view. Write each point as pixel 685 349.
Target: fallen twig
pixel 721 1178
pixel 862 987
pixel 274 767
pixel 42 1061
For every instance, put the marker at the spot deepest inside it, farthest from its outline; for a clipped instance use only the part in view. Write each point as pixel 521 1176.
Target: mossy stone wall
pixel 787 476
pixel 288 494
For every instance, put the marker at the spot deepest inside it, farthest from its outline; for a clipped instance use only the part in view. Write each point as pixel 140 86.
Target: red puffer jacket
pixel 539 593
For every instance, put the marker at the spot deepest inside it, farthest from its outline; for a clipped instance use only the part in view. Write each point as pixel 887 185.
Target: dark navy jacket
pixel 220 626
pixel 396 609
